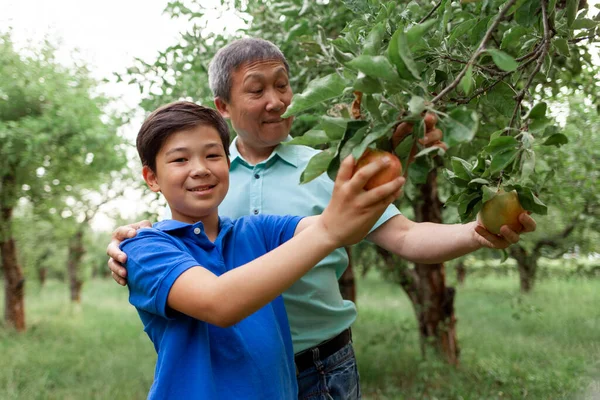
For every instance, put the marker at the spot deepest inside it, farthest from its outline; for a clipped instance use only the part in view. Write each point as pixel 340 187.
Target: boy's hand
pixel 117 257
pixel 506 237
pixel 352 211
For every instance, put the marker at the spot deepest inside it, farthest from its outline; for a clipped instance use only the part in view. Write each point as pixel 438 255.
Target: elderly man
pixel 250 82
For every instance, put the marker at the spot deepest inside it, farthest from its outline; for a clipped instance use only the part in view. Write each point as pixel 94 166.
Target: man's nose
pixel 274 101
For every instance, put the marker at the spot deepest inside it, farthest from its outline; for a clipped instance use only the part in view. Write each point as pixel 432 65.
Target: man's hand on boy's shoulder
pixel 117 257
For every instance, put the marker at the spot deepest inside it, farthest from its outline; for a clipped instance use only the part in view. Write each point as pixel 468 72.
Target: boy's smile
pixel 192 172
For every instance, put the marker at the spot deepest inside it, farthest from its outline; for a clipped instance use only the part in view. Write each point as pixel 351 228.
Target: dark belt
pixel 304 359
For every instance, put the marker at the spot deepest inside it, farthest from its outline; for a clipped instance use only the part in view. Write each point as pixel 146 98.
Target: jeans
pixel 332 378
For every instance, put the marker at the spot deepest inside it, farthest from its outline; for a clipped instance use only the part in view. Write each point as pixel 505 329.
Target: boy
pixel 207 288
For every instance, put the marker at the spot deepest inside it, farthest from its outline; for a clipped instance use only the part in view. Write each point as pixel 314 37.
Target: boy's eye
pixel 178 160
pixel 214 155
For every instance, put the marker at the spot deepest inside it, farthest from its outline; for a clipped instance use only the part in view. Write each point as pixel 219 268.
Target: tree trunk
pixel 76 251
pixel 42 273
pixel 435 306
pixel 461 272
pixel 14 282
pixel 347 282
pixel 527 265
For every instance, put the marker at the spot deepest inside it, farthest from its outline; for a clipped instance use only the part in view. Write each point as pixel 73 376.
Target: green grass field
pixel 544 346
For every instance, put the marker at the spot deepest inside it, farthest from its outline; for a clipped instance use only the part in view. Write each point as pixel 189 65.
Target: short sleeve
pixel 390 211
pixel 277 229
pixel 154 262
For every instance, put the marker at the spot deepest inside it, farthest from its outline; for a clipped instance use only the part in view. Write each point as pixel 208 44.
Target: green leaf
pixel 317 91
pixel 488 193
pixel 501 160
pixel 367 85
pixel 317 165
pixel 466 83
pixel 416 105
pixel 377 132
pixel 526 14
pixel 460 126
pixel 512 37
pixel 372 106
pixel 478 31
pixel 571 11
pixel 354 141
pixel 479 181
pixel 527 164
pixel 584 23
pixel 375 67
pixel 416 32
pixel 313 137
pixel 374 40
pixel 537 111
pixel 418 171
pixel 428 150
pixel 558 139
pixel 503 60
pixel 562 46
pixel 530 201
pixel 334 127
pixel 461 29
pixel 539 124
pixel 400 55
pixel 462 168
pixel 500 98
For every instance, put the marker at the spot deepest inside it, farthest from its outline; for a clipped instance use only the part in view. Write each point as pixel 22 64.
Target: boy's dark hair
pixel 175 117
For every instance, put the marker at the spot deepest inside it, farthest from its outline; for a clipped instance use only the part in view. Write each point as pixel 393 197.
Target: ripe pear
pixel 392 171
pixel 502 209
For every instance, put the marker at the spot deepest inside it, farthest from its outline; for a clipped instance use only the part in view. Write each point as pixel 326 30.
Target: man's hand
pixel 507 236
pixel 117 257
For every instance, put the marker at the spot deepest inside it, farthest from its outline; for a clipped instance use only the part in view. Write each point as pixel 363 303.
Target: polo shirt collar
pixel 285 152
pixel 170 225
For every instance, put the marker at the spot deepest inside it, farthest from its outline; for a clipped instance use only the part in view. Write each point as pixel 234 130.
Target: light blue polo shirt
pixel 315 307
pixel 252 359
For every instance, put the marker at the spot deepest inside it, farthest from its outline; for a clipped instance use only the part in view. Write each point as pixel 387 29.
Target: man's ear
pixel 222 107
pixel 150 178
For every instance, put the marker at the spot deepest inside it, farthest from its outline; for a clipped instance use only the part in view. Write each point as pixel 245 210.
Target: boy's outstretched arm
pixel 227 299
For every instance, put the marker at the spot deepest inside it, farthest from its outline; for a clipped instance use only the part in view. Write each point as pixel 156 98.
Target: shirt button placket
pixel 256 190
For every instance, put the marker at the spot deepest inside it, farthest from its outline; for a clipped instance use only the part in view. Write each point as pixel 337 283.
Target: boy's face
pixel 260 94
pixel 192 172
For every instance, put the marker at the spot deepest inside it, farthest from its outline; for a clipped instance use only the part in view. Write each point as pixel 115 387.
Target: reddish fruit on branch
pixel 502 209
pixel 392 171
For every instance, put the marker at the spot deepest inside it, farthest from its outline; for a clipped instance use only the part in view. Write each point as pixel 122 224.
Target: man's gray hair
pixel 234 55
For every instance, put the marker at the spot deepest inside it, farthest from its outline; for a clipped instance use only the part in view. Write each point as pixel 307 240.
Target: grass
pixel 543 346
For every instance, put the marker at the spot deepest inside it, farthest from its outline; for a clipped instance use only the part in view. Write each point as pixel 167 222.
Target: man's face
pixel 192 172
pixel 260 94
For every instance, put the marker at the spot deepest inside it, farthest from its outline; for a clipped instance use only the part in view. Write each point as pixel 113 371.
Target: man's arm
pixel 431 243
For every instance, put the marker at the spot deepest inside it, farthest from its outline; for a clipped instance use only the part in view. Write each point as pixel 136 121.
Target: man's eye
pixel 256 91
pixel 282 85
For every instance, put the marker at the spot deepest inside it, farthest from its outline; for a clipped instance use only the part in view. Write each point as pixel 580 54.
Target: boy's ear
pixel 222 107
pixel 150 178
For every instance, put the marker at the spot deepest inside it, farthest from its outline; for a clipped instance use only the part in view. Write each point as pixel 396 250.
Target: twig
pixel 482 67
pixel 425 18
pixel 543 51
pixel 582 39
pixel 477 53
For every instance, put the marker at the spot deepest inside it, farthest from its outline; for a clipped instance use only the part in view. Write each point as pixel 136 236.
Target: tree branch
pixel 555 241
pixel 477 53
pixel 425 18
pixel 542 52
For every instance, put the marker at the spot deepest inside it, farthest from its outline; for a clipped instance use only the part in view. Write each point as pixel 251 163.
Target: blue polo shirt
pixel 253 359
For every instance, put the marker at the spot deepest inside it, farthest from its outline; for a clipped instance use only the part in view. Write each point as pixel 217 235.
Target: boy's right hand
pixel 117 257
pixel 353 211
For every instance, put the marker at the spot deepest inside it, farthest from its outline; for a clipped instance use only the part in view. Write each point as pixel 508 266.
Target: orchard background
pixel 515 88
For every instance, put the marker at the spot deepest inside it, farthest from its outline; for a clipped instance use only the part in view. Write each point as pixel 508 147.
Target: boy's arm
pixel 430 243
pixel 226 299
